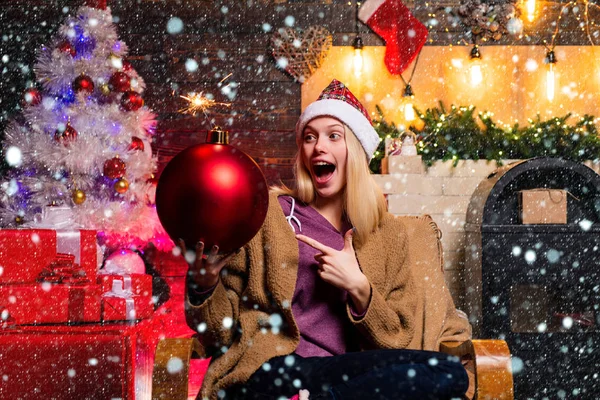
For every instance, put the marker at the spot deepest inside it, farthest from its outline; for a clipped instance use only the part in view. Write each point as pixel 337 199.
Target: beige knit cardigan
pixel 249 314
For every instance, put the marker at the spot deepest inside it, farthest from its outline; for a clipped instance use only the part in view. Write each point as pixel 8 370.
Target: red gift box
pixel 139 284
pixel 45 303
pixel 126 308
pixel 24 253
pixel 76 362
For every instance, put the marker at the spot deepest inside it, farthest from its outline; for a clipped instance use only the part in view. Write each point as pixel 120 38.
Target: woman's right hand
pixel 204 268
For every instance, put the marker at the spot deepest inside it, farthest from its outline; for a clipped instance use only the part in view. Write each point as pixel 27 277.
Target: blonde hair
pixel 364 203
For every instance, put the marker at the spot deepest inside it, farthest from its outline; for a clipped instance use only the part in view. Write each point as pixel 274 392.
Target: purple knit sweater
pixel 318 307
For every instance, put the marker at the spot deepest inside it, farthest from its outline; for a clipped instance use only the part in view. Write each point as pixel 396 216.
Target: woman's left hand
pixel 340 268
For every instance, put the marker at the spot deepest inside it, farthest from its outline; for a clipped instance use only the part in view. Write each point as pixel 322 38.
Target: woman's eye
pixel 335 136
pixel 309 138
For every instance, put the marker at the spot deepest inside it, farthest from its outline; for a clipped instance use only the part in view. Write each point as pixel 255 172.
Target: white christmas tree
pixel 81 148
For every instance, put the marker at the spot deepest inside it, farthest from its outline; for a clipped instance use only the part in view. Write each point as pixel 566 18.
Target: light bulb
pixel 358 56
pixel 409 111
pixel 358 62
pixel 550 75
pixel 476 75
pixel 475 67
pixel 550 82
pixel 530 7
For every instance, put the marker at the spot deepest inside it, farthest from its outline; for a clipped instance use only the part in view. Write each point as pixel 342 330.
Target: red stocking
pixel 404 35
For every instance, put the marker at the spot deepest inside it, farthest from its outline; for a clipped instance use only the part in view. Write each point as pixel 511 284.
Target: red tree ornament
pixel 66 135
pixel 136 144
pixel 32 97
pixel 67 47
pixel 114 168
pixel 127 65
pixel 119 82
pixel 83 83
pixel 131 101
pixel 213 193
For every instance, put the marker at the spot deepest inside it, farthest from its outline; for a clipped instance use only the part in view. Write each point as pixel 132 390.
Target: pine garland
pixel 460 133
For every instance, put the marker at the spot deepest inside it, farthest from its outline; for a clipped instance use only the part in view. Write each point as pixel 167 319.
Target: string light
pixel 357 44
pixel 550 77
pixel 475 67
pixel 358 56
pixel 409 110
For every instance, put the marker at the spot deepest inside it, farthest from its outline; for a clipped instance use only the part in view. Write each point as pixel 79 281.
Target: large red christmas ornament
pixel 213 193
pixel 67 135
pixel 131 101
pixel 67 47
pixel 136 144
pixel 32 97
pixel 114 168
pixel 119 82
pixel 83 83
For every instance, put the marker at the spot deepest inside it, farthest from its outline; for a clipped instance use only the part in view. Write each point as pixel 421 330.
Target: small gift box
pixel 401 155
pixel 121 305
pixel 138 284
pixel 25 253
pixel 46 303
pixel 543 206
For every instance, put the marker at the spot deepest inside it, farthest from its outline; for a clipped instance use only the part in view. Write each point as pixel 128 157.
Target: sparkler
pixel 198 102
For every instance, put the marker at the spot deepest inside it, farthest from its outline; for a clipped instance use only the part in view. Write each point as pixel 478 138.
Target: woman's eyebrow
pixel 334 125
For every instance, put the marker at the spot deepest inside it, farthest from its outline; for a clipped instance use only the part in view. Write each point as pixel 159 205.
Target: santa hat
pixel 337 101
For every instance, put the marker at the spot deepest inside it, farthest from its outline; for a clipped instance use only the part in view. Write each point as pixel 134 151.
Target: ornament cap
pixel 551 57
pixel 217 135
pixel 408 91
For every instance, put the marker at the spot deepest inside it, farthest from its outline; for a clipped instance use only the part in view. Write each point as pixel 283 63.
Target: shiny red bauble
pixel 214 193
pixel 132 101
pixel 136 144
pixel 114 168
pixel 65 136
pixel 32 97
pixel 67 47
pixel 119 82
pixel 83 83
pixel 127 65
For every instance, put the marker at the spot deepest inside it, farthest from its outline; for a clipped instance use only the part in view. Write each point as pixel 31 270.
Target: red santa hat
pixel 337 101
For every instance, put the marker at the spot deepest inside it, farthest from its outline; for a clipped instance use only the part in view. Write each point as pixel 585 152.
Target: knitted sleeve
pixel 389 319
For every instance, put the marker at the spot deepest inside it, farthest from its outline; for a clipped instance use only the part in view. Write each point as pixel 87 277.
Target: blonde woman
pixel 320 303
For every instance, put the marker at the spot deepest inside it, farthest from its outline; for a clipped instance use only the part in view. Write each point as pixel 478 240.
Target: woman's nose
pixel 320 146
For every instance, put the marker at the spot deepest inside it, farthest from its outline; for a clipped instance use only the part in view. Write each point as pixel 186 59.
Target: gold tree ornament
pixel 300 53
pixel 105 89
pixel 121 186
pixel 78 196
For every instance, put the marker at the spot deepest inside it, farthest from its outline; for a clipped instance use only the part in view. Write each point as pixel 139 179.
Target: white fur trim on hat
pixel 347 114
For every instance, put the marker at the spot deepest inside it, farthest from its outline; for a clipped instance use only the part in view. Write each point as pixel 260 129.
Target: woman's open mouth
pixel 323 171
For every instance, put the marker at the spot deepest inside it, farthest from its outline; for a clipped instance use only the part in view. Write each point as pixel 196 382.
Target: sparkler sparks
pixel 197 102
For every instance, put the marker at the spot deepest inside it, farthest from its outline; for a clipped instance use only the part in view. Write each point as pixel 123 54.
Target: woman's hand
pixel 341 269
pixel 204 268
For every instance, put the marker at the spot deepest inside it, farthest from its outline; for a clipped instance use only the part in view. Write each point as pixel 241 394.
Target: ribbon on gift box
pixel 63 269
pixel 119 290
pixel 69 242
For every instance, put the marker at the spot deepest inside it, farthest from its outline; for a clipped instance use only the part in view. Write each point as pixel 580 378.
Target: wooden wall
pixel 230 35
